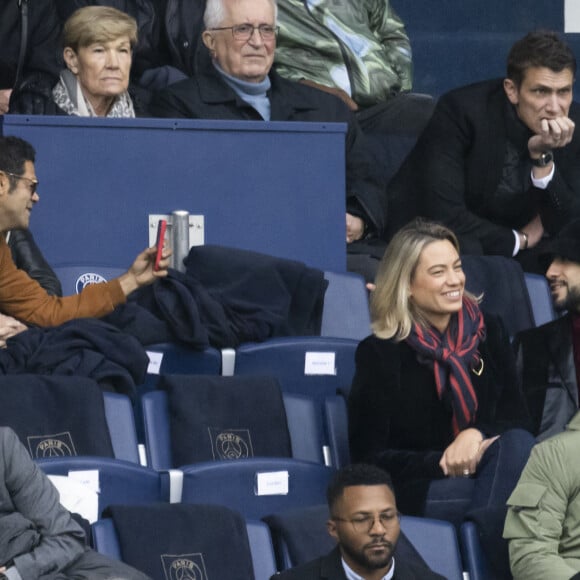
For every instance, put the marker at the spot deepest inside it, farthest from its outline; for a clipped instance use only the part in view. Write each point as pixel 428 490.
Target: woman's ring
pixel 466 473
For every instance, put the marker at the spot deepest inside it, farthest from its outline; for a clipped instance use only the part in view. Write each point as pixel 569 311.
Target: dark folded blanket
pixel 55 417
pixel 258 289
pixel 85 347
pixel 184 541
pixel 226 297
pixel 217 418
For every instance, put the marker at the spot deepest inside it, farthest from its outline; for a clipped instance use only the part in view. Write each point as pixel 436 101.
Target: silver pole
pixel 179 238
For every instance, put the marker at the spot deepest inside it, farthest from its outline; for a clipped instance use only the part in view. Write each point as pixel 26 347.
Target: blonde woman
pixel 435 399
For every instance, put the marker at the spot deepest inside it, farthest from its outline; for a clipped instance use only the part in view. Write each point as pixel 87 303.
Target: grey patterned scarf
pixel 68 96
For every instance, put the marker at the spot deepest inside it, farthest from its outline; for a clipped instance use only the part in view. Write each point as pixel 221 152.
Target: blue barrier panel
pixel 277 188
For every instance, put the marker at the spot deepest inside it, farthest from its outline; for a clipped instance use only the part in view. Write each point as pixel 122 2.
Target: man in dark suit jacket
pixel 548 357
pixel 497 162
pixel 365 523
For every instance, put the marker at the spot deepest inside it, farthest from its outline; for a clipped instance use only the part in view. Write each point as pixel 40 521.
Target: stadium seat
pixel 57 416
pixel 337 430
pixel 256 487
pixel 119 481
pixel 346 307
pixel 505 294
pixel 541 298
pixel 207 548
pixel 300 414
pixel 312 366
pixel 436 541
pixel 74 277
pixel 475 560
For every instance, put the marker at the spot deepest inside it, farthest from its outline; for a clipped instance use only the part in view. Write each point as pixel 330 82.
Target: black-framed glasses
pixel 246 31
pixel 363 524
pixel 33 182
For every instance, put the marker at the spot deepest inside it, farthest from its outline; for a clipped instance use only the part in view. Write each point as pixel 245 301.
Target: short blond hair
pixel 96 24
pixel 392 312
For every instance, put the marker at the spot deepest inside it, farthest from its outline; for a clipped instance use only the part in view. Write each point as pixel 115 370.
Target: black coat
pixel 329 567
pixel 207 96
pixel 28 257
pixel 453 173
pixel 43 53
pixel 545 361
pixel 397 420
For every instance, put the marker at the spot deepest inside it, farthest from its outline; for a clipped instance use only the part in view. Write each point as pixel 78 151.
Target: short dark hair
pixel 14 152
pixel 541 48
pixel 355 474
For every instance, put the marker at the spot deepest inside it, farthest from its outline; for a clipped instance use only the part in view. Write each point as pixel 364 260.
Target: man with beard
pixel 365 523
pixel 548 356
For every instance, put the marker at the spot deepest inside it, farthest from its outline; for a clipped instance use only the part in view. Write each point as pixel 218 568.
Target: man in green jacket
pixel 543 521
pixel 358 50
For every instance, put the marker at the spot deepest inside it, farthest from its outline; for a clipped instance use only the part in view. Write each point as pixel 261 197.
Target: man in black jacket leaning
pixel 498 161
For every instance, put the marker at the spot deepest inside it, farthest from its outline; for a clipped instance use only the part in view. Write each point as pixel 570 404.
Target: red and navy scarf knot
pixel 453 355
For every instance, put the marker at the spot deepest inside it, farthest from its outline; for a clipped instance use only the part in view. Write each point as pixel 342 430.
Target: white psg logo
pixel 87 279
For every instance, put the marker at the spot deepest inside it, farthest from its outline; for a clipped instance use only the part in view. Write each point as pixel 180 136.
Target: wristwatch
pixel 543 160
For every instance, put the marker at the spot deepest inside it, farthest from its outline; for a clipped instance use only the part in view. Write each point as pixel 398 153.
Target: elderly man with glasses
pixel 364 521
pixel 235 81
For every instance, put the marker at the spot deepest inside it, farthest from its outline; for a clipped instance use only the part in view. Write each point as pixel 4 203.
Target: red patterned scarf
pixel 453 356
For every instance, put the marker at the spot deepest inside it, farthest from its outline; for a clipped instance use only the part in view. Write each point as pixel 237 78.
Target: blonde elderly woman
pixel 98 48
pixel 435 399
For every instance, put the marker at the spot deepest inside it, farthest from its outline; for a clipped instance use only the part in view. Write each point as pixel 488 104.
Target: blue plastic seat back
pixel 253 486
pixel 301 416
pixel 74 277
pixel 476 561
pixel 437 543
pixel 119 481
pixel 505 294
pixel 314 366
pixel 106 542
pixel 337 430
pixel 541 298
pixel 346 307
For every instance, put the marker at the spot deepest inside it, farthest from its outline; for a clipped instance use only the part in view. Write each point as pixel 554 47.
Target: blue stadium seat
pixel 287 358
pixel 300 414
pixel 313 366
pixel 337 430
pixel 505 294
pixel 119 481
pixel 106 542
pixel 436 541
pixel 74 277
pixel 541 298
pixel 234 484
pixel 346 307
pixel 62 416
pixel 473 556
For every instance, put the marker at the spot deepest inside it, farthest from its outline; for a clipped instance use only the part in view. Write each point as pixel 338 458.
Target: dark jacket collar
pixel 285 96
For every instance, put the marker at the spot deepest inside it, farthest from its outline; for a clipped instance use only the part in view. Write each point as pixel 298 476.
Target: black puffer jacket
pixel 28 257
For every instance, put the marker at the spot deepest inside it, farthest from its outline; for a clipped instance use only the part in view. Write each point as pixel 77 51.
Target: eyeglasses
pixel 246 31
pixel 33 182
pixel 364 524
